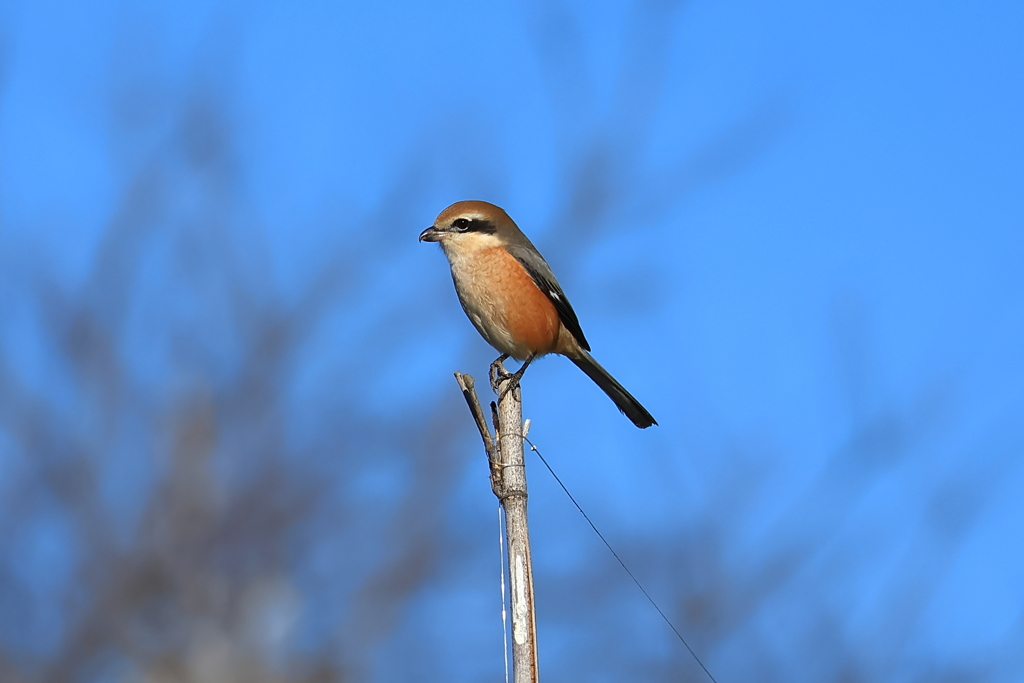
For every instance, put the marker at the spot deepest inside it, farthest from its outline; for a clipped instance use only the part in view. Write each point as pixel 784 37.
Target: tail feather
pixel 625 402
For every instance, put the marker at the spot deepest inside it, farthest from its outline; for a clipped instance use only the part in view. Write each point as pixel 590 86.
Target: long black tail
pixel 625 402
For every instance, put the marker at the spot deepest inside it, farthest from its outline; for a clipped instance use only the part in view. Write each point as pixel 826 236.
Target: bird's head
pixel 470 225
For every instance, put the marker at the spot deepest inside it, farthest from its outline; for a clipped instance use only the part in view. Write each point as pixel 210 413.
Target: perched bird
pixel 513 299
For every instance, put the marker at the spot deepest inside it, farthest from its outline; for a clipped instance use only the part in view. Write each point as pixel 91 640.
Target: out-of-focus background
pixel 231 447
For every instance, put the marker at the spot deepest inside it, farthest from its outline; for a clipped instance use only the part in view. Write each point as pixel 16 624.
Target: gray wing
pixel 542 276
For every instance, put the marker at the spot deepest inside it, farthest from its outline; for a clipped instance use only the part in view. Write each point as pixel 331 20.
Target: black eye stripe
pixel 474 225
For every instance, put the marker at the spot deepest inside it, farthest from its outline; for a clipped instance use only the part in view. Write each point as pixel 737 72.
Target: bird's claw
pixel 499 374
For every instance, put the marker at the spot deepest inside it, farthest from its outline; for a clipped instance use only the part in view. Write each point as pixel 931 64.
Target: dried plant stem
pixel 505 453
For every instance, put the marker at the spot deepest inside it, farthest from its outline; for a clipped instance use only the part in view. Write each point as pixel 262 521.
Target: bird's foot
pixel 499 374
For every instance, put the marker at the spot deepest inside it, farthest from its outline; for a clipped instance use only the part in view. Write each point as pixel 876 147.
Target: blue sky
pixel 811 222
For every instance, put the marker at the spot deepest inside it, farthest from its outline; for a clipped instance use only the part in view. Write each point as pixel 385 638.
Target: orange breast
pixel 526 312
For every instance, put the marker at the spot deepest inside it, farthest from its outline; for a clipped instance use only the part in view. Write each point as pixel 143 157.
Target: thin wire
pixel 504 611
pixel 623 564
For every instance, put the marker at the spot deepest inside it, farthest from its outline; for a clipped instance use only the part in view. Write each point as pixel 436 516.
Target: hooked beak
pixel 431 234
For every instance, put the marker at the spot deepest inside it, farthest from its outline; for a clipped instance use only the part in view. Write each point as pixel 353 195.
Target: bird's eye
pixel 461 224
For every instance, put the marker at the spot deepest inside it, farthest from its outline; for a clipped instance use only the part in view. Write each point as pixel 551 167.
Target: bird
pixel 511 296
